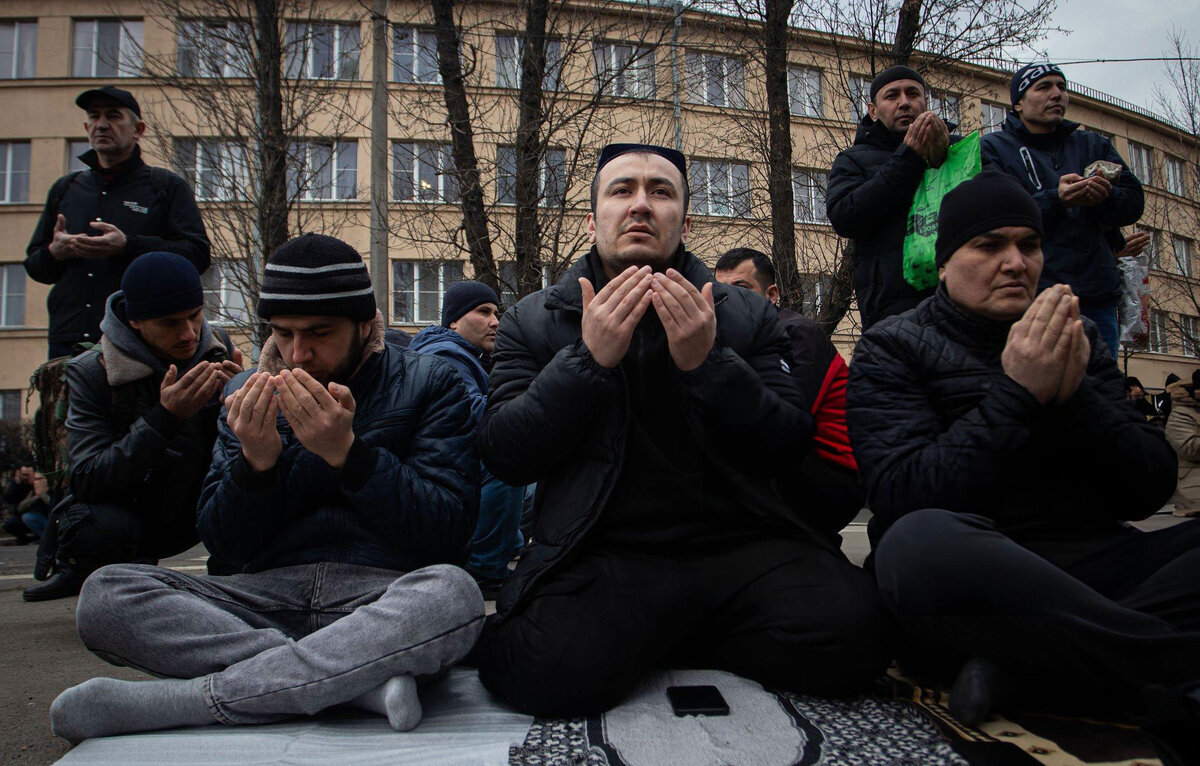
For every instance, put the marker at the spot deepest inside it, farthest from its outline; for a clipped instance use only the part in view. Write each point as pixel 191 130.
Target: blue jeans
pixel 283 642
pixel 497 535
pixel 1104 314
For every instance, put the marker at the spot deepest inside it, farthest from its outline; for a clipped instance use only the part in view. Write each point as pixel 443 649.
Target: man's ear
pixel 364 330
pixel 591 228
pixel 772 294
pixel 871 109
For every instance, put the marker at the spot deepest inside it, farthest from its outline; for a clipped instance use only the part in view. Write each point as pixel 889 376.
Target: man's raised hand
pixel 1038 345
pixel 184 397
pixel 1078 356
pixel 610 316
pixel 321 419
pixel 688 316
pixel 251 417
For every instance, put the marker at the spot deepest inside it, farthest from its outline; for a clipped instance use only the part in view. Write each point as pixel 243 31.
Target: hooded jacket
pixel 155 210
pixel 406 497
pixel 871 188
pixel 936 423
pixel 558 418
pixel 1074 243
pixel 124 446
pixel 1183 432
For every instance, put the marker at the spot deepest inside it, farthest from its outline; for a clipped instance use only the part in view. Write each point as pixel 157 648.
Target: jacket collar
pixel 133 162
pixel 438 335
pixel 126 356
pixel 970 330
pixel 270 360
pixel 568 295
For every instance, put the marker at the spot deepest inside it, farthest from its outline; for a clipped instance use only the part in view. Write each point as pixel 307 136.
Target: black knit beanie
pixel 1028 75
pixel 990 200
pixel 316 275
pixel 159 284
pixel 464 296
pixel 893 73
pixel 612 151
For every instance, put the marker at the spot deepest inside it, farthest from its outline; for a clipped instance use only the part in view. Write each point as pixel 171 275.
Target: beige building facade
pixel 615 73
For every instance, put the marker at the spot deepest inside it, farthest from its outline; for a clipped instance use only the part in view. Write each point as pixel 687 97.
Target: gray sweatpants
pixel 283 642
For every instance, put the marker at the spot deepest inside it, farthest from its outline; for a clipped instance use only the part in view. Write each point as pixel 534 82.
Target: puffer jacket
pixel 1075 245
pixel 124 446
pixel 871 188
pixel 460 352
pixel 405 498
pixel 936 423
pixel 1183 432
pixel 558 418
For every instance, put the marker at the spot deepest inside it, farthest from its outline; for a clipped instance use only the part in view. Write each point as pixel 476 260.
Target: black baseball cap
pixel 122 97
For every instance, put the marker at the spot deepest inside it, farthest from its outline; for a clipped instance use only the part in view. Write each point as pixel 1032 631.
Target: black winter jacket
pixel 558 418
pixel 406 498
pixel 871 188
pixel 1075 247
pixel 936 423
pixel 153 213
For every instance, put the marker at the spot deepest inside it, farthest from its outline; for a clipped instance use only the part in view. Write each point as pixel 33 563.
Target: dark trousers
pixel 91 535
pixel 786 613
pixel 1111 612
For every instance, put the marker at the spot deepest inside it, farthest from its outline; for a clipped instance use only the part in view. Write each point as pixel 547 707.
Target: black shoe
pixel 981 688
pixel 489 586
pixel 64 584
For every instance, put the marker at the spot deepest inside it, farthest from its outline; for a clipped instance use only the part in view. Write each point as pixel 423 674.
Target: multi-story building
pixel 613 72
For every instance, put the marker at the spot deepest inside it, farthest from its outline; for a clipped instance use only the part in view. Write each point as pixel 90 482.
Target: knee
pixel 923 555
pixel 104 601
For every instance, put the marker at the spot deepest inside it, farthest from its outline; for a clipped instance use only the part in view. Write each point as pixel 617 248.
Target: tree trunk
pixel 475 222
pixel 779 165
pixel 908 24
pixel 528 235
pixel 273 146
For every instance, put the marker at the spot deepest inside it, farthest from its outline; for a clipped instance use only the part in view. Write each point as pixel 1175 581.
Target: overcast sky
pixel 1120 29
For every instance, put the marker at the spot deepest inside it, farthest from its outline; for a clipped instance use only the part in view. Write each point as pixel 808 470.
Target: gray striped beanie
pixel 316 275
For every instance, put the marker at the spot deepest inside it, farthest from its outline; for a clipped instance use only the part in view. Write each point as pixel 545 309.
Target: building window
pixel 74 149
pixel 991 117
pixel 417 289
pixel 508 282
pixel 423 173
pixel 814 288
pixel 626 71
pixel 508 63
pixel 214 49
pixel 808 193
pixel 860 96
pixel 12 295
pixel 1141 162
pixel 1151 251
pixel 322 51
pixel 18 49
pixel 414 55
pixel 1189 327
pixel 552 181
pixel 323 170
pixel 716 80
pixel 10 404
pixel 1158 340
pixel 14 171
pixel 107 48
pixel 216 170
pixel 946 106
pixel 719 188
pixel 226 284
pixel 1173 170
pixel 1183 255
pixel 804 91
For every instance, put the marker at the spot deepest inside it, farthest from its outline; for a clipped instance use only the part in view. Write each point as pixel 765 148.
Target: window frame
pixel 222 296
pixel 704 69
pixel 195 36
pixel 702 200
pixel 1141 162
pixel 1174 174
pixel 423 50
pixel 443 172
pixel 8 173
pixel 634 76
pixel 129 58
pixel 12 274
pixel 445 270
pixel 799 76
pixel 1158 340
pixel 340 55
pixel 300 185
pixel 508 67
pixel 1189 335
pixel 232 171
pixel 1185 266
pixel 553 160
pixel 984 126
pixel 815 184
pixel 859 89
pixel 24 49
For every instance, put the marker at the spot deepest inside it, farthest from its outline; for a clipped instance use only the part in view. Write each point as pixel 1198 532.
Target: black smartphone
pixel 697 700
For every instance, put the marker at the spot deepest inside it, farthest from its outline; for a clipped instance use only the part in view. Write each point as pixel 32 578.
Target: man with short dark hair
pixel 97 221
pixel 342 492
pixel 825 484
pixel 141 423
pixel 1081 202
pixel 871 188
pixel 986 422
pixel 654 408
pixel 466 338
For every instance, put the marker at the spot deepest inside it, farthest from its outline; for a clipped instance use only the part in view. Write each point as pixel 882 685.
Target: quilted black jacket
pixel 558 418
pixel 936 423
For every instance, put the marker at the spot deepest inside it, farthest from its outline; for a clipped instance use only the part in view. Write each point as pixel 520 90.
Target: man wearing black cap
pixel 97 221
pixel 140 427
pixel 871 188
pixel 1081 204
pixel 341 491
pixel 653 406
pixel 466 339
pixel 986 422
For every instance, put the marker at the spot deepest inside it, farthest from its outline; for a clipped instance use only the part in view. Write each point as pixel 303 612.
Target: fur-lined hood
pixel 127 357
pixel 1183 394
pixel 271 361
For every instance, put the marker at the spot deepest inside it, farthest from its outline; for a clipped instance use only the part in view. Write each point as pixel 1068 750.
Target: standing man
pixel 141 422
pixel 340 491
pixel 466 339
pixel 871 188
pixel 1051 156
pixel 825 483
pixel 97 221
pixel 654 408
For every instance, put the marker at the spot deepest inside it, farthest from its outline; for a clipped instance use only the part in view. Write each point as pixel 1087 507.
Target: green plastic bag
pixel 962 162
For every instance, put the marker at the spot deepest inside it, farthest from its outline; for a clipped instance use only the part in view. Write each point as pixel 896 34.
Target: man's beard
pixel 346 366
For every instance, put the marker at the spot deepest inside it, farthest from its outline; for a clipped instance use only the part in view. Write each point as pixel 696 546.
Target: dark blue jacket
pixel 1074 246
pixel 405 498
pixel 458 351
